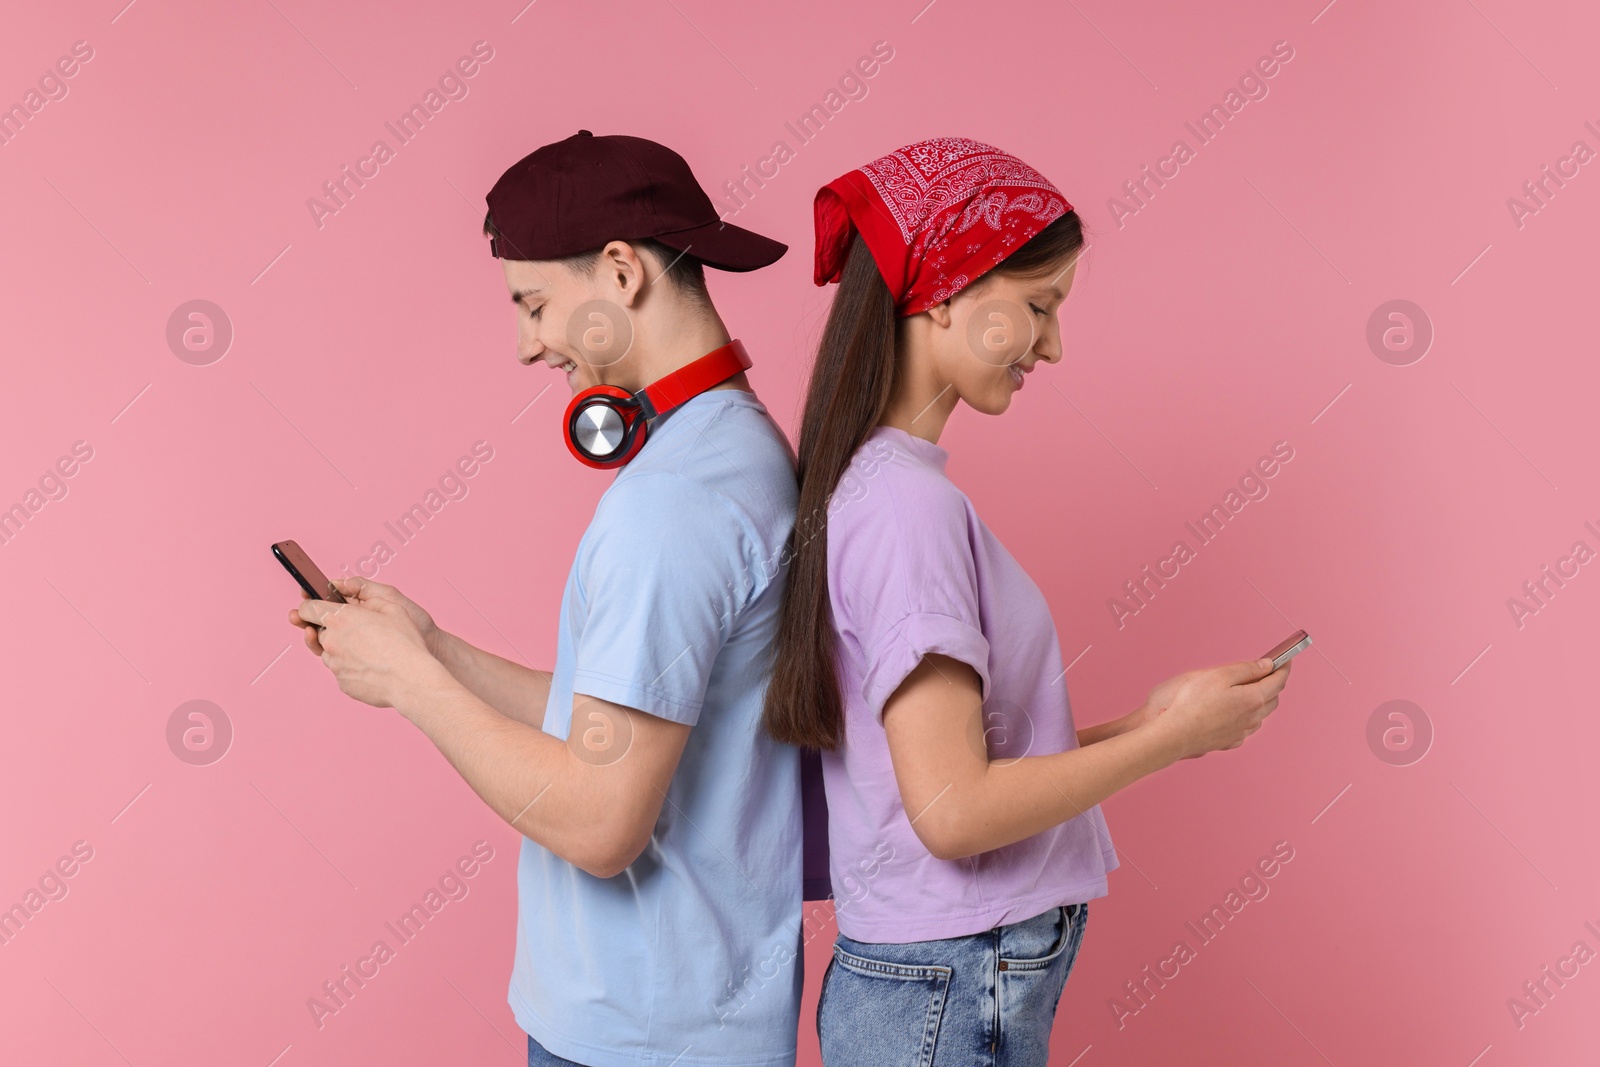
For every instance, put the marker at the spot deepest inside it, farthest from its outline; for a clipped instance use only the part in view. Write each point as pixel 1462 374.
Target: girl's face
pixel 999 329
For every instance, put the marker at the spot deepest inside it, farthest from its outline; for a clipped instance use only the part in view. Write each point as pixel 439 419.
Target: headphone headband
pixel 692 379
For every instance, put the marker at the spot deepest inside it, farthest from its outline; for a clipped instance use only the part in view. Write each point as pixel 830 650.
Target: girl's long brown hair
pixel 851 383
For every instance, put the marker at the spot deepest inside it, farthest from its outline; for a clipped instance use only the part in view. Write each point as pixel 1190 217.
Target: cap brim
pixel 725 246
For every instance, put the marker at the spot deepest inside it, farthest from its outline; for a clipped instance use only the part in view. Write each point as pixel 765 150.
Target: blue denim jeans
pixel 539 1056
pixel 985 999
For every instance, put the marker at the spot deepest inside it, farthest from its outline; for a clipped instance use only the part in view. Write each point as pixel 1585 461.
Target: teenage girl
pixel 915 652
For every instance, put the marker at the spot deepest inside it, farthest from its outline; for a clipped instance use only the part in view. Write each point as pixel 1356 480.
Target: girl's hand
pixel 1216 708
pixel 1158 701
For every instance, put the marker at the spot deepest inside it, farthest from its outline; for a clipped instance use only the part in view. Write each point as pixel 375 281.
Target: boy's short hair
pixel 688 274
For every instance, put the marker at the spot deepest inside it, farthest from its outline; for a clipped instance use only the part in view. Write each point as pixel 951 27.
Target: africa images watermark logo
pixel 1538 192
pixel 851 87
pixel 52 485
pixel 1252 86
pixel 452 85
pixel 1252 486
pixel 1537 993
pixel 452 485
pixel 1252 886
pixel 453 885
pixel 51 87
pixel 51 886
pixel 1538 592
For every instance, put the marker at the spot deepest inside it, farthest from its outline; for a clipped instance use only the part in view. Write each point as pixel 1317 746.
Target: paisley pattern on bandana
pixel 936 216
pixel 922 180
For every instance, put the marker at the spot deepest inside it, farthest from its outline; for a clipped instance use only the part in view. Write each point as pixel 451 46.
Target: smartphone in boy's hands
pixel 308 574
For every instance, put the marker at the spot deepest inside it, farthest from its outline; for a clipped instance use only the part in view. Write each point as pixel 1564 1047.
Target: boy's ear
pixel 627 268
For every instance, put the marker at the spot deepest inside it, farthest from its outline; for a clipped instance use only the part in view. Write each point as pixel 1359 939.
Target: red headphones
pixel 606 426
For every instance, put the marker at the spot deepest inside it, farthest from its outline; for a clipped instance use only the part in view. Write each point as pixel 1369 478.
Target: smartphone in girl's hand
pixel 1288 648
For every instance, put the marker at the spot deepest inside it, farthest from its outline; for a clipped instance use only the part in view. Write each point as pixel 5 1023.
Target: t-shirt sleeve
pixel 665 571
pixel 905 583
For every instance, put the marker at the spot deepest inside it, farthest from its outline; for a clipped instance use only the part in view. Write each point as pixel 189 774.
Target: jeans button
pixel 1004 966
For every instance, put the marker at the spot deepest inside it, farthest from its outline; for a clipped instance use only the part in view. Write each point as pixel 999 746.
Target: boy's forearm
pixel 524 775
pixel 515 691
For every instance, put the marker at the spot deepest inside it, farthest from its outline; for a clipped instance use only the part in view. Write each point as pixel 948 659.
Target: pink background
pixel 1230 312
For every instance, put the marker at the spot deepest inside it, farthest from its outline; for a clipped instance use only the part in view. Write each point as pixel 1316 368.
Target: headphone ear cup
pixel 638 430
pixel 602 427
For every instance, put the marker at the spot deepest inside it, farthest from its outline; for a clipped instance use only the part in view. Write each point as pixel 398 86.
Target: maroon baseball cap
pixel 575 195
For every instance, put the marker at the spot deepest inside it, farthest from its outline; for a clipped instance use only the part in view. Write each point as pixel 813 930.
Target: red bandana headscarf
pixel 936 215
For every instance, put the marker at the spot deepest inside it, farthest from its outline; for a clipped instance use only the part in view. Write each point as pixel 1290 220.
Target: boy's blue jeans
pixel 539 1056
pixel 985 999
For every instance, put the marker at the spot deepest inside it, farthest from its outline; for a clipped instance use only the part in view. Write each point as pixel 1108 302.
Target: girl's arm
pixel 1090 735
pixel 960 804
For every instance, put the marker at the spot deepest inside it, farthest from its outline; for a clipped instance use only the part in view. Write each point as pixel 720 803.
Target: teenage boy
pixel 659 882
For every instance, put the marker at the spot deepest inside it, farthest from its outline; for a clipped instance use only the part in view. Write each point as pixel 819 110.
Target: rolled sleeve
pixel 913 637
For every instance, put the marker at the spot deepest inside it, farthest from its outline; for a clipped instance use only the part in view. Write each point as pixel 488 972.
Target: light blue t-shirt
pixel 671 607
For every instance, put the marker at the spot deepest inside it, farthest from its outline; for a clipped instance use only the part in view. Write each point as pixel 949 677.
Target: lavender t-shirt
pixel 912 570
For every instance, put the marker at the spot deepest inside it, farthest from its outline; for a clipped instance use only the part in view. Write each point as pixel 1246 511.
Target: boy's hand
pixel 373 645
pixel 363 590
